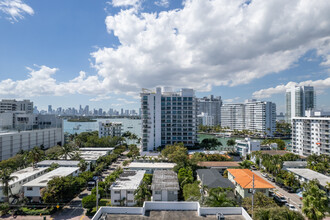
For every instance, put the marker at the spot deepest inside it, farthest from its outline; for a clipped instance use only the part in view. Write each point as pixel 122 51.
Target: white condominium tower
pixel 253 115
pixel 260 116
pixel 10 105
pixel 232 116
pixel 311 135
pixel 110 129
pixel 298 100
pixel 168 117
pixel 212 107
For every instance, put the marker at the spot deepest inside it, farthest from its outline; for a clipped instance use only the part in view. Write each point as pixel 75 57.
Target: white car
pixel 291 207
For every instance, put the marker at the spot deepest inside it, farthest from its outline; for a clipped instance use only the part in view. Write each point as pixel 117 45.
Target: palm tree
pixel 231 143
pixel 35 155
pixel 82 165
pixel 315 201
pixel 217 198
pixel 246 164
pixel 67 150
pixel 5 178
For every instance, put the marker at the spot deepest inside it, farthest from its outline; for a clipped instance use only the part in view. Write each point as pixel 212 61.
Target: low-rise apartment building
pixel 150 167
pixel 22 176
pixel 294 164
pixel 32 189
pixel 306 175
pixel 165 186
pixel 244 179
pixel 122 191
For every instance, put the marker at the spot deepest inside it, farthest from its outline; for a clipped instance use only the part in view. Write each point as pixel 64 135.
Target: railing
pixel 174 206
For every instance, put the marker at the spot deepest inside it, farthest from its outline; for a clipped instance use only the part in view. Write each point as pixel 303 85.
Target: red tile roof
pixel 244 178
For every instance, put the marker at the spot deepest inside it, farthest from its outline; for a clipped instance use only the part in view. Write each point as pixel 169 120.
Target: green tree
pixel 67 151
pixel 185 176
pixel 5 178
pixel 101 191
pixel 133 151
pixel 191 192
pixel 83 165
pixel 260 201
pixel 89 202
pixel 315 201
pixel 35 155
pixel 210 143
pixel 280 143
pixel 246 164
pixel 231 143
pixel 60 189
pixel 277 214
pixel 218 197
pixel 143 193
pixel 175 153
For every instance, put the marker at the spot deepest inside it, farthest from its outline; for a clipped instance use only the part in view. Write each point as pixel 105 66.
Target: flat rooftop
pixel 190 152
pixel 300 164
pixel 169 215
pixel 96 149
pixel 129 179
pixel 92 155
pixel 151 165
pixel 165 180
pixel 311 174
pixel 59 162
pixel 44 179
pixel 25 173
pixel 218 164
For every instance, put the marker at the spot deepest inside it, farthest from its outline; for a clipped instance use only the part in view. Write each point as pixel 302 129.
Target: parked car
pixel 280 198
pixel 253 167
pixel 291 207
pixel 271 194
pixel 272 179
pixel 264 174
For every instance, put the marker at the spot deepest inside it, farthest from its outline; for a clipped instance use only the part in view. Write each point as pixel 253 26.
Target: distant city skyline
pixel 101 53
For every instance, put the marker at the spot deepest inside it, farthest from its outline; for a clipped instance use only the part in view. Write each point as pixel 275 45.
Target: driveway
pixel 292 198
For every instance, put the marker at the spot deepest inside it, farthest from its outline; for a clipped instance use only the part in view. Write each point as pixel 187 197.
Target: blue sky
pixel 101 53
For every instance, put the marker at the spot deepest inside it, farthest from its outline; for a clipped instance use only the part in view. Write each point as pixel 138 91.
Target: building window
pixel 117 192
pixel 158 192
pixel 29 188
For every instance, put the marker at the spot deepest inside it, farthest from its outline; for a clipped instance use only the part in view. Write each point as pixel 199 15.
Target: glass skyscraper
pixel 298 100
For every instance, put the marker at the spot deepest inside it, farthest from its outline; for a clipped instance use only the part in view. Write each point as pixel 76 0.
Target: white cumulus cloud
pixel 41 82
pixel 318 84
pixel 162 3
pixel 207 43
pixel 121 3
pixel 15 9
pixel 211 43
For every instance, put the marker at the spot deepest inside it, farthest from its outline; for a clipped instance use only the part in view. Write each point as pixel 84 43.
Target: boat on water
pixel 77 127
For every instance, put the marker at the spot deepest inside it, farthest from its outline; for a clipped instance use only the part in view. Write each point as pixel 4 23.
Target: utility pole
pixel 252 193
pixel 97 194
